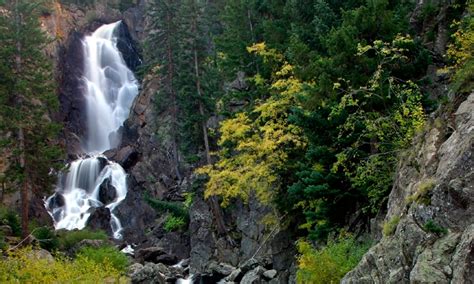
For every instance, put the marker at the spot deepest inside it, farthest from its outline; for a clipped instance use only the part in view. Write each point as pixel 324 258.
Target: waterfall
pixel 93 181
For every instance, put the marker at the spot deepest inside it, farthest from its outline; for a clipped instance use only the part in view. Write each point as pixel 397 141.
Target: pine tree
pixel 160 52
pixel 28 96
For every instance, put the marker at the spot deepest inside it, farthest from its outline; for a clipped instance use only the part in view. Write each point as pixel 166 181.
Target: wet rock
pixel 127 157
pixel 71 62
pixel 167 259
pixel 56 201
pixel 107 192
pixel 134 213
pixel 128 47
pixel 149 254
pixel 100 219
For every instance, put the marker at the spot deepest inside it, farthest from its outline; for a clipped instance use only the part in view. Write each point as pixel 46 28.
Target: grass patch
pixel 67 239
pixel 422 196
pixel 331 263
pixel 105 255
pixel 390 226
pixel 21 267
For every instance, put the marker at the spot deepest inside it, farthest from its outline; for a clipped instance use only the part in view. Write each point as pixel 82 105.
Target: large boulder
pixel 100 219
pixel 107 192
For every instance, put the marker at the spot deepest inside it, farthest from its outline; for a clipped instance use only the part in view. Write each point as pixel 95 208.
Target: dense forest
pixel 304 105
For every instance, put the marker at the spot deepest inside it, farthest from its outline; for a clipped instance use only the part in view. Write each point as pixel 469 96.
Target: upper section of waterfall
pixel 110 88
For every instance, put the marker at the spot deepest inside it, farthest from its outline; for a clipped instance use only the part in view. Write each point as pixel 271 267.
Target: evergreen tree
pixel 28 99
pixel 161 47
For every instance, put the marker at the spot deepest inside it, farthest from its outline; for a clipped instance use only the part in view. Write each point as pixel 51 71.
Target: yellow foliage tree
pixel 255 145
pixel 461 52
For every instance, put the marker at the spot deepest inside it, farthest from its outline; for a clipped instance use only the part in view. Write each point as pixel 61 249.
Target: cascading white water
pixel 110 90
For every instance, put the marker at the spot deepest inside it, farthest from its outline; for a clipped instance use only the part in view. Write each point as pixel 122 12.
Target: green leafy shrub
pixel 105 255
pixel 175 208
pixel 390 226
pixel 68 239
pixel 10 218
pixel 173 223
pixel 331 263
pixel 21 267
pixel 432 227
pixel 47 238
pixel 3 244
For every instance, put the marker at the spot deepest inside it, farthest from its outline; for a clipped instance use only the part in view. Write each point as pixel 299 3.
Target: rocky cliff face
pixel 433 197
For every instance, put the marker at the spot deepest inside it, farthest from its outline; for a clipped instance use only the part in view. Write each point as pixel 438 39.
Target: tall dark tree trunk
pixel 174 110
pixel 21 132
pixel 214 202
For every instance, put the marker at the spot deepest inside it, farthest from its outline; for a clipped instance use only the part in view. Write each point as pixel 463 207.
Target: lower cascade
pixel 93 182
pixel 90 183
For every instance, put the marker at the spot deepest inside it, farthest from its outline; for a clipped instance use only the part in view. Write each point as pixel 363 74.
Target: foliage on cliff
pixel 327 115
pixel 461 52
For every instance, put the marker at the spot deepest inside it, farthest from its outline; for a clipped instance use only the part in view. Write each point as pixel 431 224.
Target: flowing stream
pixel 93 181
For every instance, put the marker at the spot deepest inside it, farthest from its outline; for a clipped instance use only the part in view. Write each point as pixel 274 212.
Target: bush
pixel 10 218
pixel 175 208
pixel 68 239
pixel 105 255
pixel 47 238
pixel 3 244
pixel 173 223
pixel 21 267
pixel 432 227
pixel 331 263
